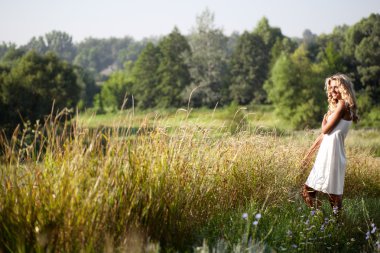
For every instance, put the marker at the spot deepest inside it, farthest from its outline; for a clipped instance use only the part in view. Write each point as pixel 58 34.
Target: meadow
pixel 223 180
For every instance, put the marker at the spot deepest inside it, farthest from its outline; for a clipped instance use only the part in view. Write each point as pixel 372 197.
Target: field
pixel 223 180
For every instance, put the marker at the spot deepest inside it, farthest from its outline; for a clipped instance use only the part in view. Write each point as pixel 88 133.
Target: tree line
pixel 204 68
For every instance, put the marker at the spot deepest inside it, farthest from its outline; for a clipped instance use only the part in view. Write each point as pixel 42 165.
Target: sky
pixel 20 20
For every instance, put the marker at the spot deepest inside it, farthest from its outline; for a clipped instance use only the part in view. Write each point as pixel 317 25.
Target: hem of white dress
pixel 324 191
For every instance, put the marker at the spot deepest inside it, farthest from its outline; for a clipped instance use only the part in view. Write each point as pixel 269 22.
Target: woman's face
pixel 334 85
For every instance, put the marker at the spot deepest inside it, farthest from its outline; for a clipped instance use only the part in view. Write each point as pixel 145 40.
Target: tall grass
pixel 69 188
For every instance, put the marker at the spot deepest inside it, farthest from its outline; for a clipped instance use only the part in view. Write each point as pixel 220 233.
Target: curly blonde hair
pixel 346 89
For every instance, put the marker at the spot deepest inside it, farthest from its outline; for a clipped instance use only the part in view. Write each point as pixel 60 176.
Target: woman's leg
pixel 310 197
pixel 336 202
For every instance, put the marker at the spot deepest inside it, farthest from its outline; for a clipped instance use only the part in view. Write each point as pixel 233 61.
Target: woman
pixel 327 175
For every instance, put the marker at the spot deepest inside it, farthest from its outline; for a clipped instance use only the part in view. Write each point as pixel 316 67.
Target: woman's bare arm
pixel 324 121
pixel 328 126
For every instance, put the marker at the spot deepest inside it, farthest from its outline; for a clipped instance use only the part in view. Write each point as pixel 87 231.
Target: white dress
pixel 329 168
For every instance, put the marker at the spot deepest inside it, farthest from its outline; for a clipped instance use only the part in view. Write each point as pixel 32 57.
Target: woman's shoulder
pixel 341 105
pixel 345 109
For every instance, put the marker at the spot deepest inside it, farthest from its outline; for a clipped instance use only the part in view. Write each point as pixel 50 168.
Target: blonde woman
pixel 327 174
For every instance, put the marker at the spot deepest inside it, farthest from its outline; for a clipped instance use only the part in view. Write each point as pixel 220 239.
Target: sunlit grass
pixel 256 117
pixel 145 184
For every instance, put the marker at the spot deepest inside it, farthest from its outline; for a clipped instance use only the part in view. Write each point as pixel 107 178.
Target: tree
pixel 31 84
pixel 61 43
pixel 249 69
pixel 310 42
pixel 37 44
pixel 268 34
pixel 363 41
pixel 97 55
pixel 296 89
pixel 144 76
pixel 4 48
pixel 173 72
pixel 330 60
pixel 362 47
pixel 208 63
pixel 117 90
pixel 88 87
pixel 284 45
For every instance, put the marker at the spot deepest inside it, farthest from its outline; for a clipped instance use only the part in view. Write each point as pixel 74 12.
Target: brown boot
pixel 336 202
pixel 310 197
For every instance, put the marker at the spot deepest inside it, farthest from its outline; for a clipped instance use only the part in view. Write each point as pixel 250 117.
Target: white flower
pixel 258 216
pixel 245 216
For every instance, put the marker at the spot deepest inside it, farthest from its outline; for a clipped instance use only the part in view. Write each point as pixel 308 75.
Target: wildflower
pixel 294 246
pixel 378 244
pixel 352 239
pixel 312 212
pixel 307 222
pixel 255 222
pixel 335 209
pixel 322 227
pixel 289 233
pixel 258 216
pixel 374 228
pixel 245 216
pixel 367 235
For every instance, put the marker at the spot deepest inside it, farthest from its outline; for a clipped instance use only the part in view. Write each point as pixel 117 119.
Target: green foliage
pixel 208 64
pixel 37 44
pixel 32 83
pixel 61 44
pixel 368 111
pixel 332 60
pixel 58 42
pixel 116 91
pixel 4 48
pixel 88 87
pixel 156 79
pixel 145 78
pixel 310 43
pixel 209 68
pixel 363 43
pixel 249 69
pixel 12 55
pixel 97 55
pixel 296 89
pixel 284 45
pixel 173 73
pixel 269 35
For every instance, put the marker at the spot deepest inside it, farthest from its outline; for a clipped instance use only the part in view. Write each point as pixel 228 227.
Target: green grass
pixel 174 182
pixel 292 227
pixel 255 119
